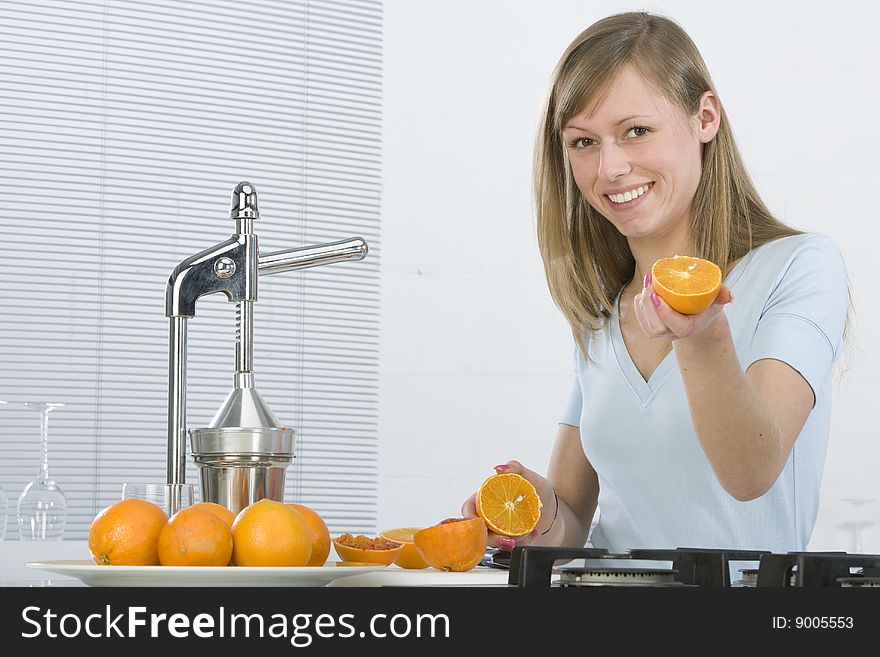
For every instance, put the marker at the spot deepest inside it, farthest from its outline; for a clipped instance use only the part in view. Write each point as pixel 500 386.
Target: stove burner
pixel 859 582
pixel 533 566
pixel 748 577
pixel 817 569
pixel 617 577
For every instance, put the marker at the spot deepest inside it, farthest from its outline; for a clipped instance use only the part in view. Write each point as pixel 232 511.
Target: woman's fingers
pixel 659 320
pixel 469 508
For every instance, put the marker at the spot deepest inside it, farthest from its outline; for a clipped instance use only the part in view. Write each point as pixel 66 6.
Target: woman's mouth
pixel 629 198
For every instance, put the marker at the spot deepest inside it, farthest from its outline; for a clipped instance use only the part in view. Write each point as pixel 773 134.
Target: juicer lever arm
pixel 353 248
pixel 223 267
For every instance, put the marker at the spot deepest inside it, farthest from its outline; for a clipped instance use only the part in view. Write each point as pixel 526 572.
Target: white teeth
pixel 630 195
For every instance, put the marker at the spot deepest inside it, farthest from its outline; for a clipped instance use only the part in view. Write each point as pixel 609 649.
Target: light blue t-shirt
pixel 656 486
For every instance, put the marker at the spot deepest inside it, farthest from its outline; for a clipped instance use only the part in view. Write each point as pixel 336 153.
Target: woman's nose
pixel 613 162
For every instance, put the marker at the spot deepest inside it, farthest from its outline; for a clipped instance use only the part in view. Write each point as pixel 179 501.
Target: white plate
pixel 94 575
pixel 427 577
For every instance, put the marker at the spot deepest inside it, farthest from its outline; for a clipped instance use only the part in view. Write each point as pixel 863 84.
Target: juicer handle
pixel 354 248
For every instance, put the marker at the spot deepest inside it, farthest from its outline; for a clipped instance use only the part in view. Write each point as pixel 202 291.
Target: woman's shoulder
pixel 808 264
pixel 792 246
pixel 804 251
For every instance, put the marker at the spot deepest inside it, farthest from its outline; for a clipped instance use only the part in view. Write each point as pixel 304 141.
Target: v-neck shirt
pixel 657 489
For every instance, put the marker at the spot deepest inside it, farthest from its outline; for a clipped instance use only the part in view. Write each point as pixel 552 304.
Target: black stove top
pixel 534 566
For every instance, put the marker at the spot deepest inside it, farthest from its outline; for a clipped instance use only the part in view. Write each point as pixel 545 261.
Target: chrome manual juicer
pixel 244 452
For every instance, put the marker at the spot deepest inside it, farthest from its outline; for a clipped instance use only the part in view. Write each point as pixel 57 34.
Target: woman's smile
pixel 628 198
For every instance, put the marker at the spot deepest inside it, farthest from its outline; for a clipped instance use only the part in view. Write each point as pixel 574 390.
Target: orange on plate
pixel 509 504
pixel 455 545
pixel 218 510
pixel 409 557
pixel 270 533
pixel 689 285
pixel 126 533
pixel 364 549
pixel 195 537
pixel 320 534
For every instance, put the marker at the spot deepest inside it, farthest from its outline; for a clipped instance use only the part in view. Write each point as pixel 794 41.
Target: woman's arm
pixel 576 485
pixel 746 422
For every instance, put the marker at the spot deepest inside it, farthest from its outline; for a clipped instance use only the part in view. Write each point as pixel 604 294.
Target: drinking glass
pixel 858 523
pixel 161 494
pixel 42 506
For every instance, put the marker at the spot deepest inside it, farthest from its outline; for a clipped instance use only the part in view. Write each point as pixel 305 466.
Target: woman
pixel 704 430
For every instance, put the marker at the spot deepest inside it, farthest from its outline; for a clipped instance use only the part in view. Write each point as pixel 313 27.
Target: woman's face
pixel 637 158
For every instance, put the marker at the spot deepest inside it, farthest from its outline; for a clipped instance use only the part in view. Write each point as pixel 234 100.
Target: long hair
pixel 586 260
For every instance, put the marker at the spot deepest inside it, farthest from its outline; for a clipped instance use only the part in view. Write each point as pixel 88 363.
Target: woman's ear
pixel 708 117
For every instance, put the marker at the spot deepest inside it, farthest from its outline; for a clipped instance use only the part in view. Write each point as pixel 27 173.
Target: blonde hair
pixel 586 260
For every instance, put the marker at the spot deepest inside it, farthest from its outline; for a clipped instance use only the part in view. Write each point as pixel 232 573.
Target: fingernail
pixel 731 297
pixel 648 279
pixel 533 533
pixel 655 299
pixel 502 467
pixel 506 543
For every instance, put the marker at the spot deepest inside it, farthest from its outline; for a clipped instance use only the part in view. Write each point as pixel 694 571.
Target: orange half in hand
pixel 509 504
pixel 689 285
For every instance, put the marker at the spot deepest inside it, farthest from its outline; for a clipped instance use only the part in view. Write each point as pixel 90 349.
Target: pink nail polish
pixel 502 467
pixel 506 543
pixel 533 533
pixel 648 279
pixel 655 299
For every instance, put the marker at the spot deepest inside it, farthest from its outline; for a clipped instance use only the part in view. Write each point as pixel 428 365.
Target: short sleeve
pixel 572 412
pixel 803 320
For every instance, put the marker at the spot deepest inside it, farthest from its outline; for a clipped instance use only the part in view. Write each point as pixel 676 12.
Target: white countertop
pixel 15 555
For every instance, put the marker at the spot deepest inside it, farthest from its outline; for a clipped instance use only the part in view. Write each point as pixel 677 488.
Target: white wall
pixel 475 357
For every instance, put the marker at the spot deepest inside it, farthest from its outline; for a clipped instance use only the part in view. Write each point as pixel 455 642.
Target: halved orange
pixel 509 504
pixel 365 549
pixel 454 545
pixel 689 285
pixel 409 556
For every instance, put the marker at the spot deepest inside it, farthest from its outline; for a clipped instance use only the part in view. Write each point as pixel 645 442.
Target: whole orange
pixel 126 533
pixel 195 537
pixel 456 544
pixel 270 533
pixel 320 534
pixel 218 510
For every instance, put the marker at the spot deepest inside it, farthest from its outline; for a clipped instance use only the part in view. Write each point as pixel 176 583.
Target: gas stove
pixel 535 566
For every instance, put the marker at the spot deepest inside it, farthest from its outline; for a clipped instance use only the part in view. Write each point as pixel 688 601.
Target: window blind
pixel 124 127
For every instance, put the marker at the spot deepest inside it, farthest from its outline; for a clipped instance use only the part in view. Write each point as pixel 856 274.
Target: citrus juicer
pixel 243 453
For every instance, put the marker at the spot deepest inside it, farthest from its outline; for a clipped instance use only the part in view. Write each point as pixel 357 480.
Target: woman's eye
pixel 581 142
pixel 637 131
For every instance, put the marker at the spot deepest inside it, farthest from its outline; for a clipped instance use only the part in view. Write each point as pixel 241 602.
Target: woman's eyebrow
pixel 623 120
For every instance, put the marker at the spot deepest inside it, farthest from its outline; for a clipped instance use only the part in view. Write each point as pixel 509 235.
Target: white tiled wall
pixel 475 358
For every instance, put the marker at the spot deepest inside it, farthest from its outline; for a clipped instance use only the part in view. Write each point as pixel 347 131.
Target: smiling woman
pixel 705 429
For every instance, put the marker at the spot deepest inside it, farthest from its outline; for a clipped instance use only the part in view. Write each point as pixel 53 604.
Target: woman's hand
pixel 658 320
pixel 548 501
